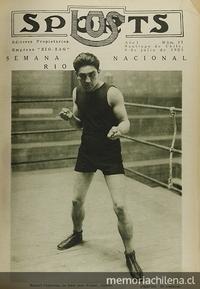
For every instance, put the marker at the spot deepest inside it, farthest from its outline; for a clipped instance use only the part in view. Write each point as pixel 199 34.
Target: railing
pixel 171 149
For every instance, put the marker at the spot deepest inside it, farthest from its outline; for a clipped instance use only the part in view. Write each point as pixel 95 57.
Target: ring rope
pixel 153 106
pixel 70 99
pixel 151 144
pixel 153 180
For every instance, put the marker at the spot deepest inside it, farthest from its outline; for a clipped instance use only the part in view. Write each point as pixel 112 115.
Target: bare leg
pixel 81 185
pixel 116 187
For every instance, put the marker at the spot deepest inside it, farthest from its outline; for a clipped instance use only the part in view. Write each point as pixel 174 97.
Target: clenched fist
pixel 66 114
pixel 114 133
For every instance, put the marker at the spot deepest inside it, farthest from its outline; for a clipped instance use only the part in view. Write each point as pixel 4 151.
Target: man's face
pixel 88 77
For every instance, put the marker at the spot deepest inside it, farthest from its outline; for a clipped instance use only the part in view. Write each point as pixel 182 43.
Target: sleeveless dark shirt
pixel 97 118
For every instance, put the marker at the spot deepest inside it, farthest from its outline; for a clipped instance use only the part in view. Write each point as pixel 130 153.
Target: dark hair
pixel 84 59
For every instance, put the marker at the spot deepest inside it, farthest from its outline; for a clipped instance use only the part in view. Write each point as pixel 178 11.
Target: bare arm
pixel 72 117
pixel 116 101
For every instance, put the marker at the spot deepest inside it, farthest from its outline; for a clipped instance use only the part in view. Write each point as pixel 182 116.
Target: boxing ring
pixel 172 110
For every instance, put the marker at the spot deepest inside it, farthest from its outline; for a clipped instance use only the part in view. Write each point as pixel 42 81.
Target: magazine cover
pixel 99 144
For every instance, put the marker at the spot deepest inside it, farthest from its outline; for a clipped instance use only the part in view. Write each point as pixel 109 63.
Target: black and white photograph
pixel 46 150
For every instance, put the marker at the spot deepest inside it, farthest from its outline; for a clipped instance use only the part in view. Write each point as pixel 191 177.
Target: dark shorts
pixel 109 163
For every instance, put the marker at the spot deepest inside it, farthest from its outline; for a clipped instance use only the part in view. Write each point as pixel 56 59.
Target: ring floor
pixel 40 219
